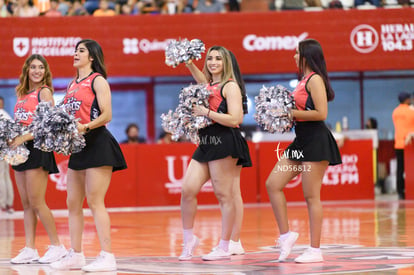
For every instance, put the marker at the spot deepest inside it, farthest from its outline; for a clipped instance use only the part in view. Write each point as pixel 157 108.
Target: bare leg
pixel 30 219
pixel 275 183
pixel 75 198
pixel 311 184
pixel 36 184
pixel 238 208
pixel 197 174
pixel 223 177
pixel 97 184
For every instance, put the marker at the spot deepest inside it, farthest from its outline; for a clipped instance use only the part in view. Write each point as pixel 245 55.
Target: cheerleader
pixel 88 98
pixel 220 155
pixel 310 153
pixel 31 176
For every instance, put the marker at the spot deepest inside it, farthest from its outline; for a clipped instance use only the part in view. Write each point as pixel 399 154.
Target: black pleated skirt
pixel 101 149
pixel 313 142
pixel 38 158
pixel 218 142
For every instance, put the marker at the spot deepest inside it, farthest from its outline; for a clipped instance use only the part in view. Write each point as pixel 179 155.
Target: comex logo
pixel 364 38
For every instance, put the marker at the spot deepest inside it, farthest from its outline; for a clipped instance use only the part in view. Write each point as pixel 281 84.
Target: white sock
pixel 314 249
pixel 188 235
pixel 224 245
pixel 284 236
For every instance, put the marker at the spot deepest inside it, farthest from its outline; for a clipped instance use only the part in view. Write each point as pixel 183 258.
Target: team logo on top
pixel 364 38
pixel 21 46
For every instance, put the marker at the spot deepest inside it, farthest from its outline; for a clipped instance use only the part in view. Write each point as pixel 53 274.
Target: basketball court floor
pixel 359 237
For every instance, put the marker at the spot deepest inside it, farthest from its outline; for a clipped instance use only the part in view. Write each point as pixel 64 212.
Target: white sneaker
pixel 217 254
pixel 188 249
pixel 71 260
pixel 104 262
pixel 236 248
pixel 53 254
pixel 310 256
pixel 27 255
pixel 286 245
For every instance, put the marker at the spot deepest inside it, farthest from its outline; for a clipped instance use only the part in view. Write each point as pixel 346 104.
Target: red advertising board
pixel 353 40
pixel 352 180
pixel 155 174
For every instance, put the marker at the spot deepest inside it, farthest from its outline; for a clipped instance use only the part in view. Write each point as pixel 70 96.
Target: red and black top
pixel 303 98
pixel 80 99
pixel 26 106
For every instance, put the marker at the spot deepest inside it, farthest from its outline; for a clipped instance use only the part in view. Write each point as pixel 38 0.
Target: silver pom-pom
pixel 54 129
pixel 9 130
pixel 273 109
pixel 16 156
pixel 182 122
pixel 182 51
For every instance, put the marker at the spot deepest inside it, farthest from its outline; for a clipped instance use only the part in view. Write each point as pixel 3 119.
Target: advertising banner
pixel 351 180
pixel 155 174
pixel 353 40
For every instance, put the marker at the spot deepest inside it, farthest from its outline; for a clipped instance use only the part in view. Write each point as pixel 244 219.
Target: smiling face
pixel 81 57
pixel 215 63
pixel 36 72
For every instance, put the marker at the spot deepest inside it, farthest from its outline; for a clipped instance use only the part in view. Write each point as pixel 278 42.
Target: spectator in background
pixel 165 138
pixel 209 6
pixel 104 9
pixel 132 132
pixel 3 9
pixel 172 6
pixel 371 123
pixel 403 119
pixel 335 4
pixel 53 11
pixel 234 5
pixel 92 5
pixel 77 9
pixel 376 3
pixel 64 6
pixel 148 7
pixel 25 8
pixel 313 3
pixel 6 187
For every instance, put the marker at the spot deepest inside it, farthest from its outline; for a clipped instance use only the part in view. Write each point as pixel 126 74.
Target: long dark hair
pixel 311 55
pixel 95 51
pixel 239 79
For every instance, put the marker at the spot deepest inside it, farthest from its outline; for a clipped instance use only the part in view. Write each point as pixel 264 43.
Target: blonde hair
pixel 228 72
pixel 24 84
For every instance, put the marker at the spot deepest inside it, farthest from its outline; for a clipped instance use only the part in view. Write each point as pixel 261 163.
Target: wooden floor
pixel 359 237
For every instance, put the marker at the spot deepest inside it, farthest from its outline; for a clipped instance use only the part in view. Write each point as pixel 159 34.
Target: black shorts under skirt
pixel 314 142
pixel 101 150
pixel 218 142
pixel 38 158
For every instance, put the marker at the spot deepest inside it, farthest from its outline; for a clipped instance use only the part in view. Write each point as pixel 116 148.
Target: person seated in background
pixel 104 9
pixel 371 123
pixel 148 7
pixel 3 9
pixel 25 8
pixel 165 138
pixel 53 11
pixel 172 6
pixel 77 9
pixel 209 6
pixel 376 3
pixel 132 132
